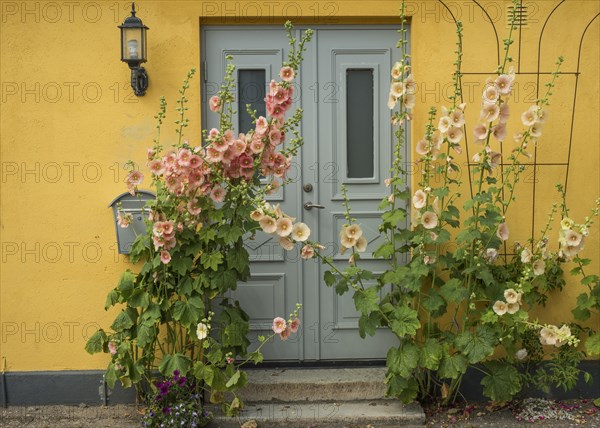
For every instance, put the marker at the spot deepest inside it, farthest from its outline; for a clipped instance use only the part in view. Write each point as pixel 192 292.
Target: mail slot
pixel 127 203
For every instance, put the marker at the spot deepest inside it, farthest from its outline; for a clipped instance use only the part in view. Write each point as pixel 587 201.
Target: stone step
pixel 321 384
pixel 340 414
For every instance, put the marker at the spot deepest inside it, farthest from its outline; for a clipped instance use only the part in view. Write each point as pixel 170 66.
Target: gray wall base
pixel 75 387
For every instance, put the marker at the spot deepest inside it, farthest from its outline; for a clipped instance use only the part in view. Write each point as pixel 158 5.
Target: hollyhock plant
pixel 450 285
pixel 210 195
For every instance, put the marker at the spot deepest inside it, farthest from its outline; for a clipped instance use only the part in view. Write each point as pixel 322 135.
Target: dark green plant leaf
pixel 477 346
pixel 502 382
pixel 170 363
pixel 431 354
pixel 451 366
pixel 96 342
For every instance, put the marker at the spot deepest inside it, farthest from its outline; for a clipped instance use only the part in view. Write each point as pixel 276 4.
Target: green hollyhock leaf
pixel 367 301
pixel 111 299
pixel 476 346
pixel 453 291
pixel 170 363
pixel 96 342
pixel 592 345
pixel 123 321
pixel 405 389
pixel 212 260
pixel 502 382
pixel 145 334
pixel 431 354
pixel 204 372
pixel 404 359
pixel 111 375
pixel 139 298
pixel 181 265
pixel 237 258
pixel 368 323
pixel 451 366
pixel 405 321
pixel 329 278
pixel 125 286
pixel 434 303
pixel 188 312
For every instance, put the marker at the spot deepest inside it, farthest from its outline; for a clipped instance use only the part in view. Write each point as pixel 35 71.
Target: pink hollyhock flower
pixel 123 220
pixel 481 132
pixel 279 325
pixel 135 178
pixel 257 146
pixel 294 325
pixel 275 136
pixel 213 155
pixel 286 74
pixel 504 84
pixel 230 360
pixel 112 348
pixel 246 161
pixel 150 152
pixel 217 194
pixel 489 112
pixel 504 113
pixel 220 144
pixel 213 133
pixel 308 252
pixel 195 161
pixel 165 257
pixel 285 334
pixel 215 103
pixel 422 147
pixel 156 167
pixel 194 207
pixel 277 111
pixel 499 131
pixel 183 158
pixel 261 126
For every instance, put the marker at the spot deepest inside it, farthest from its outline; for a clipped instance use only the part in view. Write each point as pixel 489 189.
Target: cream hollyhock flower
pixel 490 94
pixel 347 242
pixel 444 124
pixel 268 224
pixel 566 223
pixel 392 100
pixel 564 333
pixel 396 71
pixel 257 215
pixel 457 118
pixel 504 113
pixel 353 231
pixel 526 255
pixel 480 132
pixel 455 135
pixel 504 84
pixel 409 100
pixel 539 267
pixel 536 130
pixel 500 307
pixel 422 147
pixel 512 308
pixel 419 199
pixel 489 112
pixel 429 220
pixel 495 159
pixel 300 232
pixel 286 243
pixel 397 89
pixel 502 231
pixel 201 331
pixel 410 85
pixel 572 238
pixel 528 117
pixel 361 244
pixel 549 335
pixel 511 296
pixel 284 226
pixel 499 131
pixel 308 252
pixel 521 354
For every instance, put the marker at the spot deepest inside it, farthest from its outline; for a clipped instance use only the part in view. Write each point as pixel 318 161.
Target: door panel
pixel 342 87
pixel 355 136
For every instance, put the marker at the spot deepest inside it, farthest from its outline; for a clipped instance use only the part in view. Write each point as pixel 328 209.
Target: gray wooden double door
pixel 342 87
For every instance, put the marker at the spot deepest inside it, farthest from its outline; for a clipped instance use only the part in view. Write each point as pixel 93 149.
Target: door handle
pixel 309 206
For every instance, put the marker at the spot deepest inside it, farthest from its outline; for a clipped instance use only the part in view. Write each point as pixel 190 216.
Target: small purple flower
pixel 166 410
pixel 164 389
pixel 182 381
pixel 176 374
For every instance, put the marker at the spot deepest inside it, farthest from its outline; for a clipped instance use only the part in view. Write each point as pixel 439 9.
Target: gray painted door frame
pixel 338 57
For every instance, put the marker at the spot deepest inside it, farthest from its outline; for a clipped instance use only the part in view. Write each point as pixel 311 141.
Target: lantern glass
pixel 133 47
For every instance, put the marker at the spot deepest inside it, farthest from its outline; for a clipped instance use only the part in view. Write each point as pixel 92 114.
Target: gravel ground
pixel 533 413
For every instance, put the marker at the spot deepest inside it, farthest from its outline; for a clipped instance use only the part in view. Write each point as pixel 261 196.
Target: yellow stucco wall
pixel 69 122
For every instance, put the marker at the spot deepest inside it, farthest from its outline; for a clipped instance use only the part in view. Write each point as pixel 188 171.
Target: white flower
pixel 268 224
pixel 347 241
pixel 526 255
pixel 353 231
pixel 361 244
pixel 455 135
pixel 511 296
pixel 549 335
pixel 521 354
pixel 422 147
pixel 491 254
pixel 500 307
pixel 284 226
pixel 286 243
pixel 572 238
pixel 202 331
pixel 512 308
pixel 429 220
pixel 444 124
pixel 300 232
pixel 539 267
pixel 419 199
pixel 457 118
pixel 502 231
pixel 397 89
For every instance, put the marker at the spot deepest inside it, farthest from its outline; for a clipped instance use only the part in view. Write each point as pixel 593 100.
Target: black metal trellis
pixel 538 73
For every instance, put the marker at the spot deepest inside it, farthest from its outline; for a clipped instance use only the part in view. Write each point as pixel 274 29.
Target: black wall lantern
pixel 133 50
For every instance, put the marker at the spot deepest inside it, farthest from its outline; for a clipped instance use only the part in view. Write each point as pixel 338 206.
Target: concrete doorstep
pixel 319 398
